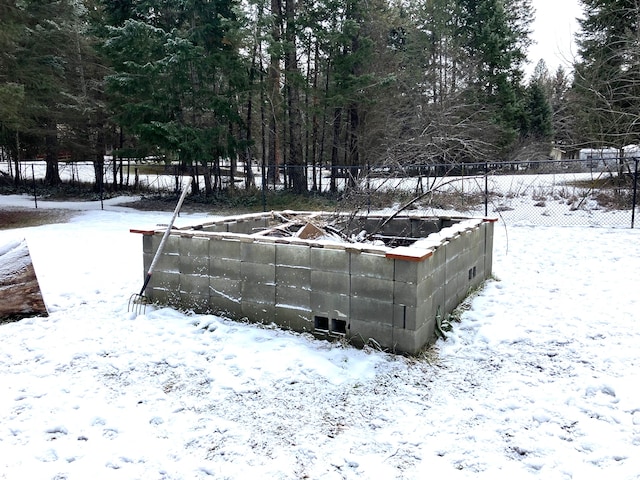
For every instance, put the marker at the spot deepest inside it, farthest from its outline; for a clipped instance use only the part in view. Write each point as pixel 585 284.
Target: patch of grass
pixel 236 201
pixel 65 191
pixel 614 200
pixel 604 182
pixel 444 324
pixel 254 201
pixel 20 218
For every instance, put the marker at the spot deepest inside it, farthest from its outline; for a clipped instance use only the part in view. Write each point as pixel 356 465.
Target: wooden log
pixel 20 294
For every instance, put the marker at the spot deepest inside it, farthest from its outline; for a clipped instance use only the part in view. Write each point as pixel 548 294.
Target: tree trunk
pixel 354 148
pixel 16 160
pixel 274 86
pixel 52 174
pixel 335 146
pixel 98 163
pixel 296 160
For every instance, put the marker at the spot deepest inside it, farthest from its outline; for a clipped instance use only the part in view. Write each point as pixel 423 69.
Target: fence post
pixel 486 189
pixel 635 194
pixel 33 178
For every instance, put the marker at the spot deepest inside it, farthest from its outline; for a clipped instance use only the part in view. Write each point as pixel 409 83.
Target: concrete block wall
pixel 369 294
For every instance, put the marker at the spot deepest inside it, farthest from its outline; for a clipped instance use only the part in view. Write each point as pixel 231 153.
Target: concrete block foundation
pixel 388 292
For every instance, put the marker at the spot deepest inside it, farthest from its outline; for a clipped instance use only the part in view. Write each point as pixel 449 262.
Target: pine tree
pixel 607 76
pixel 177 79
pixel 538 112
pixel 495 35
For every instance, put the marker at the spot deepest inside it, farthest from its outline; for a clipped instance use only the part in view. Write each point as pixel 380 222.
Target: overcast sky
pixel 553 30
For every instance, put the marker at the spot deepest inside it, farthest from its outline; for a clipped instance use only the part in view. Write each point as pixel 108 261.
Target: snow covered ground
pixel 539 380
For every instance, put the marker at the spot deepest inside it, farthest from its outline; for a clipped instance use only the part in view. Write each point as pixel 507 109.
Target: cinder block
pixel 403 341
pixel 425 289
pixel 438 301
pixel 215 227
pixel 225 288
pixel 453 247
pixel 362 294
pixel 329 260
pixel 430 265
pixel 330 282
pixel 225 268
pixel 224 248
pixel 299 320
pixel 147 244
pixel 293 276
pixel 259 293
pixel 330 304
pixel 192 265
pixel 425 314
pixel 424 336
pixel 195 302
pixel 371 310
pixel 164 296
pixel 225 306
pixel 147 258
pixel 242 226
pixel 405 317
pixel 293 255
pixel 406 271
pixel 168 262
pixel 260 273
pixel 196 284
pixel 171 246
pixel 258 252
pixel 294 297
pixel 363 331
pixel 165 280
pixel 439 272
pixel 406 294
pixel 193 246
pixel 374 288
pixel 259 312
pixel 371 265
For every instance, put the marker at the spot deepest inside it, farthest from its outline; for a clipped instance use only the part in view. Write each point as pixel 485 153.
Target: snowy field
pixel 539 380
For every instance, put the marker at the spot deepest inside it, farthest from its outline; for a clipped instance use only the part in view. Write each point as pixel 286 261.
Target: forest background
pixel 213 88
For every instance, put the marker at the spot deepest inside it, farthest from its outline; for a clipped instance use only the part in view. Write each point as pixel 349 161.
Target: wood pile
pixel 20 294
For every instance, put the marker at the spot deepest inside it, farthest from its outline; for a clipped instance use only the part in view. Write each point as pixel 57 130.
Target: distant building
pixel 600 158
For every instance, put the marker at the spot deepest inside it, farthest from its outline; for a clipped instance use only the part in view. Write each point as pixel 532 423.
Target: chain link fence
pixel 567 192
pixel 601 192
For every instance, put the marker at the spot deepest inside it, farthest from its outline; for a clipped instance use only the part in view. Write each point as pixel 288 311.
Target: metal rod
pixel 635 195
pixel 167 232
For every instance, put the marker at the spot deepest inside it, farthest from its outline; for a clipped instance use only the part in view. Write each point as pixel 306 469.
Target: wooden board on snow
pixel 20 294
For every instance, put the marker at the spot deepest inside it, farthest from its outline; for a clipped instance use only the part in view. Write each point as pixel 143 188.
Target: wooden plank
pixel 411 254
pixel 20 294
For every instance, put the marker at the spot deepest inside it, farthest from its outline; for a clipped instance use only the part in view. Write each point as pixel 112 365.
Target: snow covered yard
pixel 539 380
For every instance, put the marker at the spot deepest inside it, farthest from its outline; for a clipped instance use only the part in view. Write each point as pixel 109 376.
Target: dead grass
pixel 19 218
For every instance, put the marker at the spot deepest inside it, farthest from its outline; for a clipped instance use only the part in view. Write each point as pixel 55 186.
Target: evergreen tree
pixel 563 117
pixel 607 78
pixel 12 120
pixel 177 79
pixel 538 115
pixel 47 46
pixel 495 35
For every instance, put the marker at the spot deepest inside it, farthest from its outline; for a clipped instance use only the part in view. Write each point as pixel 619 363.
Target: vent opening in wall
pixel 321 323
pixel 332 326
pixel 338 326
